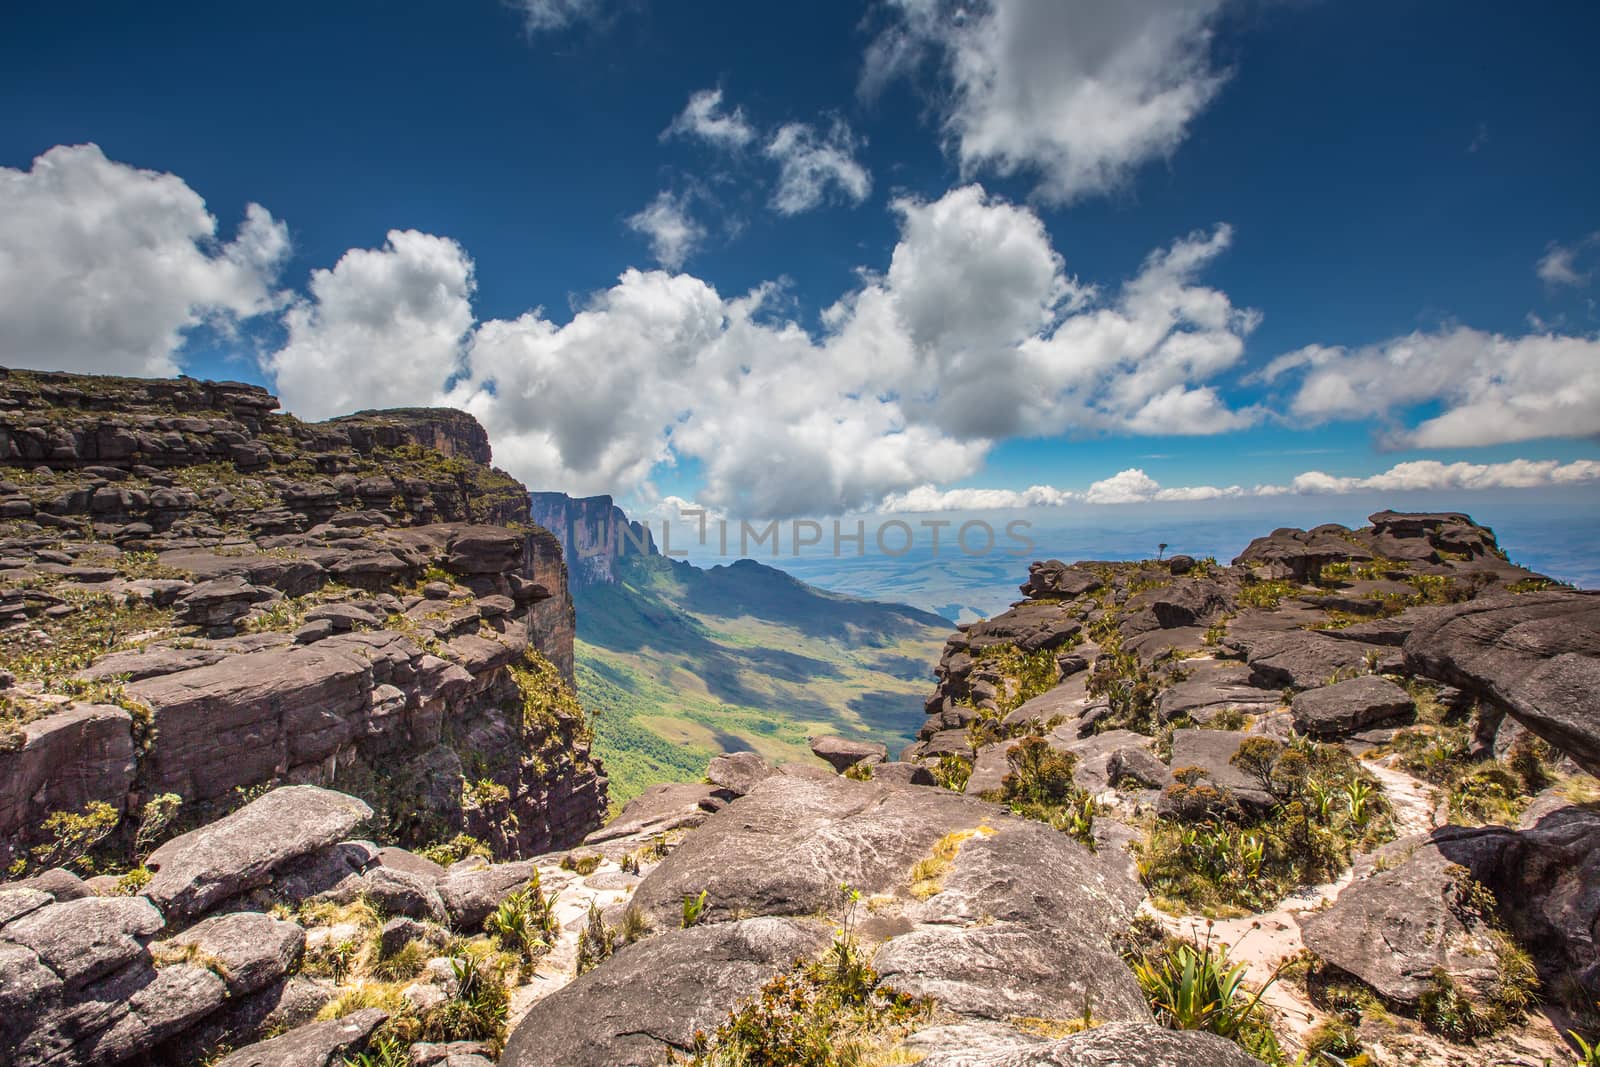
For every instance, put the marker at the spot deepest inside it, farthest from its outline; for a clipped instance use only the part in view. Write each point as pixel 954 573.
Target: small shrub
pixel 828 1012
pixel 694 907
pixel 1197 987
pixel 155 818
pixel 477 1011
pixel 455 850
pixel 406 962
pixel 74 835
pixel 583 865
pixel 952 772
pixel 596 941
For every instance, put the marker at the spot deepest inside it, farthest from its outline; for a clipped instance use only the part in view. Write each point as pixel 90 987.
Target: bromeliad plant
pixel 1197 987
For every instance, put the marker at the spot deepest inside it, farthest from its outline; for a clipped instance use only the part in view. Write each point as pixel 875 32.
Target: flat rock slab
pixel 1112 1045
pixel 1392 928
pixel 738 772
pixel 252 950
pixel 653 995
pixel 842 753
pixel 82 940
pixel 786 847
pixel 1211 751
pixel 204 867
pixel 1307 659
pixel 324 1044
pixel 1536 654
pixel 1341 709
pixel 658 810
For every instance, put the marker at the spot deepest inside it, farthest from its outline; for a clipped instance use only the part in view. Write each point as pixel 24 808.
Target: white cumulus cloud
pixel 104 266
pixel 1077 92
pixel 1492 389
pixel 1559 264
pixel 673 233
pixel 383 328
pixel 1134 486
pixel 974 332
pixel 703 117
pixel 811 163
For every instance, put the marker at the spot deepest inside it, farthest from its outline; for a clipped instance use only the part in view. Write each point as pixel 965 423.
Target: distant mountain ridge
pixel 594 534
pixel 681 662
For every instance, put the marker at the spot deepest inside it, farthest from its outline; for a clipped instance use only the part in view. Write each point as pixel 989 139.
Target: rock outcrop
pixel 200 596
pixel 1535 655
pixel 594 534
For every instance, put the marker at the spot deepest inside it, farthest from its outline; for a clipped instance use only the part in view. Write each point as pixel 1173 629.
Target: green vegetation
pixel 828 1012
pixel 952 772
pixel 927 872
pixel 1122 680
pixel 1197 987
pixel 547 702
pixel 73 836
pixel 677 664
pixel 1266 594
pixel 1326 809
pixel 524 924
pixel 1438 749
pixel 1031 673
pixel 1039 786
pixel 694 907
pixel 1453 1012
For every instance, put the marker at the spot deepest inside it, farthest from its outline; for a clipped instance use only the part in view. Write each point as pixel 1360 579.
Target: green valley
pixel 677 663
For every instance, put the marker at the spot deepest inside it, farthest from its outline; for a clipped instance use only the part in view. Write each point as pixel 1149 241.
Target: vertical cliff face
pixel 200 597
pixel 594 534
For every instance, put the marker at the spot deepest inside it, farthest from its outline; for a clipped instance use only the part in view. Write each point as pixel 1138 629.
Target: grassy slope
pixel 678 664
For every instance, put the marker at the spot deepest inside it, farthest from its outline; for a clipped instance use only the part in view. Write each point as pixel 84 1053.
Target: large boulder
pixel 1537 655
pixel 1409 915
pixel 62 762
pixel 1343 708
pixel 989 942
pixel 841 753
pixel 324 1044
pixel 738 772
pixel 202 868
pixel 1052 578
pixel 250 950
pixel 1306 659
pixel 252 717
pixel 652 996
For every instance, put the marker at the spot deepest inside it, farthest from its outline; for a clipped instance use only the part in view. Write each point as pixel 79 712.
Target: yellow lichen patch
pixel 1052 1029
pixel 927 872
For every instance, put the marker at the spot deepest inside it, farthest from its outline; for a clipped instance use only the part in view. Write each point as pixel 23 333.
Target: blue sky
pixel 996 245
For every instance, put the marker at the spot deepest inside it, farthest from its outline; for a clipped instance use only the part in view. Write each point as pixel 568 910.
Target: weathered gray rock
pixel 220 602
pixel 1136 764
pixel 469 894
pixel 201 868
pixel 669 806
pixel 66 760
pixel 1307 659
pixel 82 940
pixel 842 754
pixel 1211 751
pixel 903 774
pixel 315 1045
pixel 397 892
pixel 1392 928
pixel 653 995
pixel 1341 709
pixel 1537 655
pixel 251 950
pixel 1052 578
pixel 738 772
pixel 1112 1045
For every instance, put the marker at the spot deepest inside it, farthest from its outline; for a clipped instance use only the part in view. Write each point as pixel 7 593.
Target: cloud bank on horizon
pixel 971 331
